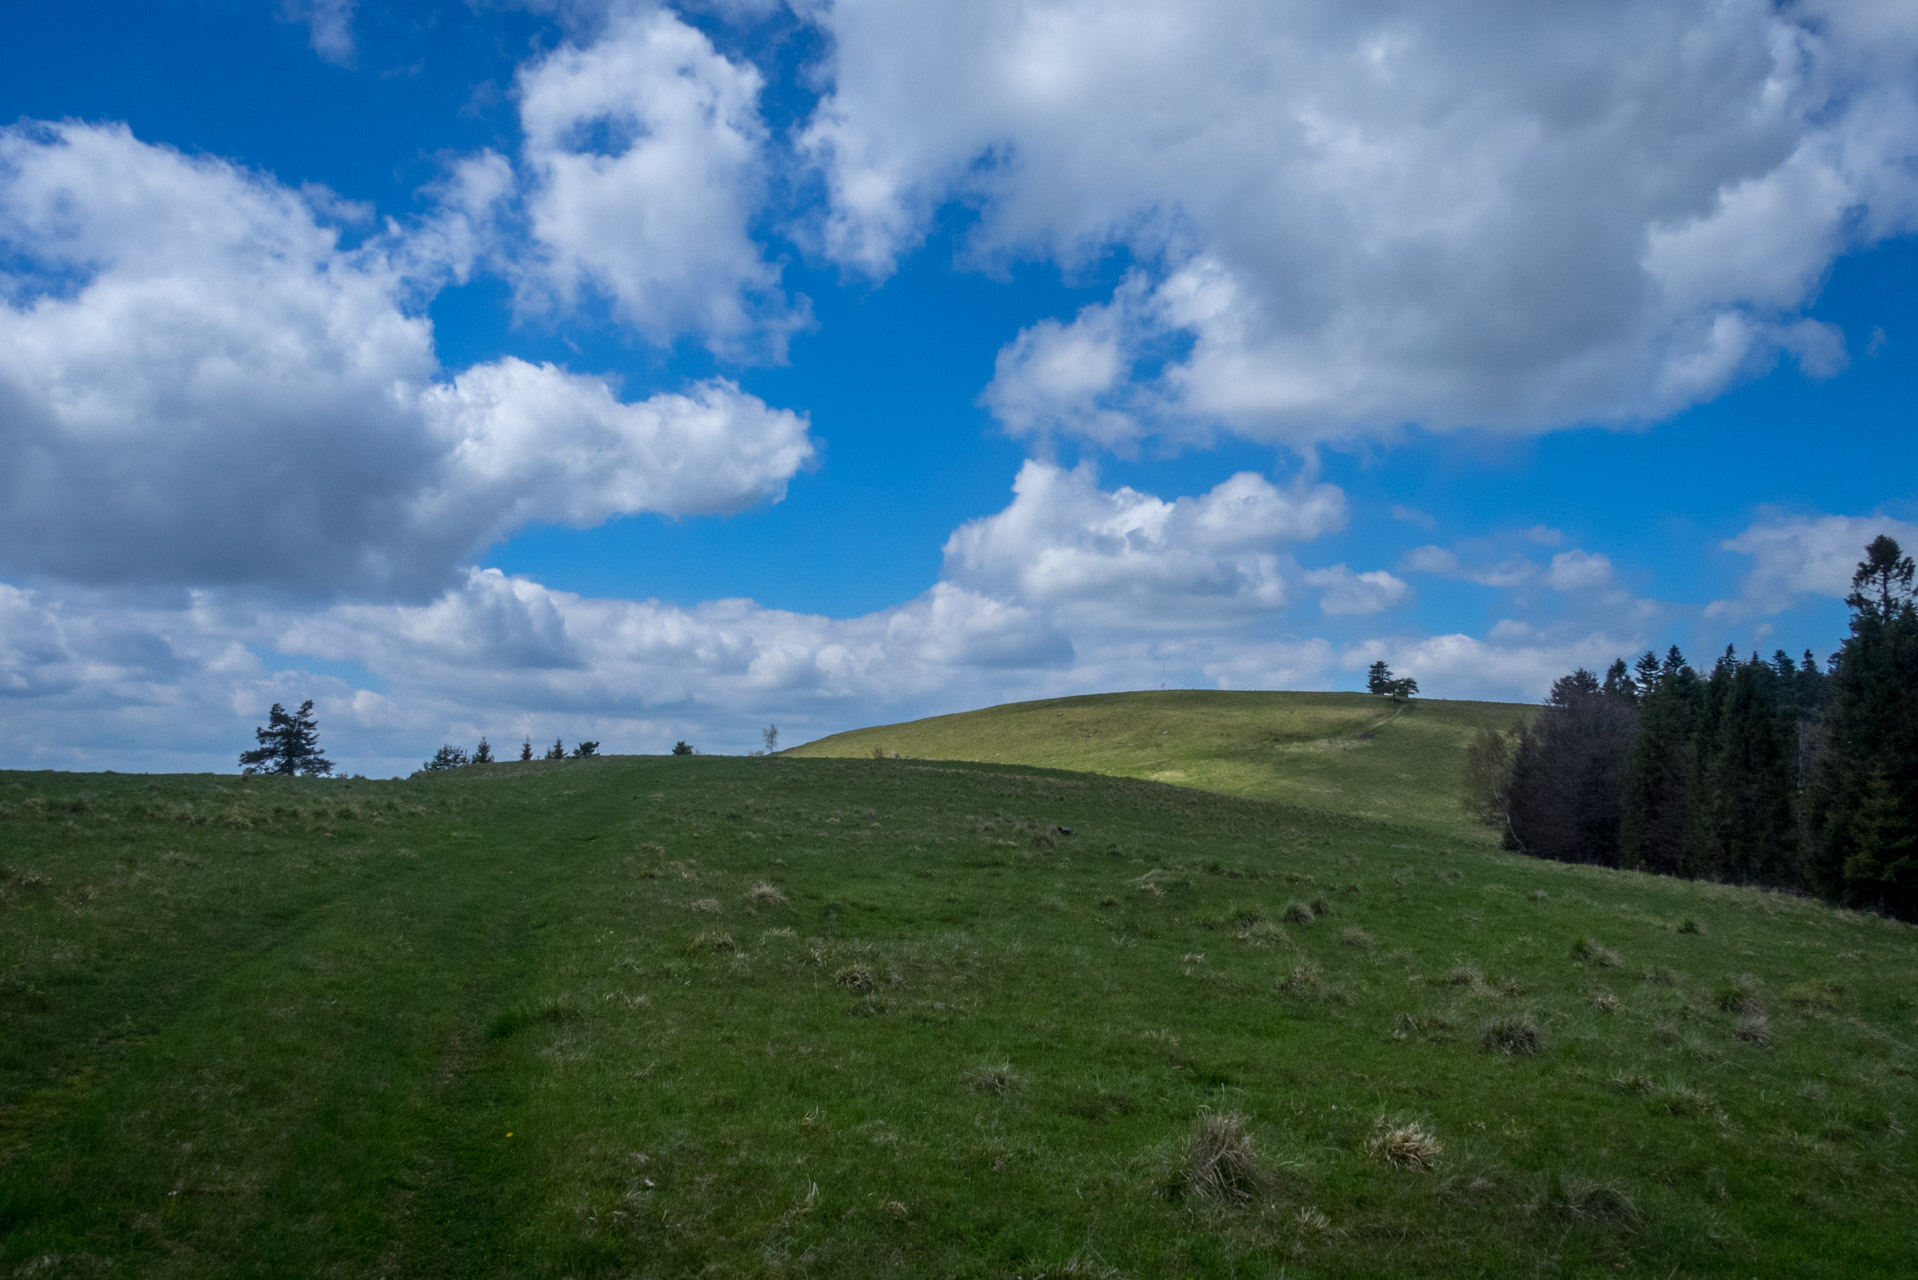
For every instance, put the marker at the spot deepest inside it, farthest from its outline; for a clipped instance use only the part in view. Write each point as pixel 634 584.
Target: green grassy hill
pixel 789 1017
pixel 1347 753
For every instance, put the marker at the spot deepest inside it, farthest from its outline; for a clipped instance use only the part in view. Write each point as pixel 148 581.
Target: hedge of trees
pixel 1770 772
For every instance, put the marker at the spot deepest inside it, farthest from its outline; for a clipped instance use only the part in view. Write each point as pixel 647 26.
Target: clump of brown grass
pixel 1577 1199
pixel 1684 1100
pixel 1298 913
pixel 1357 937
pixel 1302 981
pixel 1510 1034
pixel 714 940
pixel 856 976
pixel 1639 1084
pixel 1263 933
pixel 1321 905
pixel 707 906
pixel 1739 994
pixel 1409 1146
pixel 1591 953
pixel 1754 1029
pixel 766 894
pixel 1464 974
pixel 1658 977
pixel 1816 997
pixel 1220 1163
pixel 1604 1001
pixel 992 1077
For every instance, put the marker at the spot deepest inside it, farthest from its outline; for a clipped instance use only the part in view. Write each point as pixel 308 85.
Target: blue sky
pixel 639 372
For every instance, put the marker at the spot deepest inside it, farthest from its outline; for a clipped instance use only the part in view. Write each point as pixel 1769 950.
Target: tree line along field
pixel 827 1017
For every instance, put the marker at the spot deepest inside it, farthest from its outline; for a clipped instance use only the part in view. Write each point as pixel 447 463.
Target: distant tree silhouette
pixel 526 749
pixel 770 735
pixel 483 753
pixel 585 751
pixel 557 751
pixel 289 744
pixel 447 757
pixel 682 748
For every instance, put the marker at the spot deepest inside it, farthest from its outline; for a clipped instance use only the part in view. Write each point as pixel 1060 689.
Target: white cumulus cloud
pixel 1343 591
pixel 1793 557
pixel 1126 556
pixel 647 163
pixel 1349 218
pixel 201 382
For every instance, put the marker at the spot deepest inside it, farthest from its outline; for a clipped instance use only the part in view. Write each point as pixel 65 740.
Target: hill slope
pixel 709 1016
pixel 1347 753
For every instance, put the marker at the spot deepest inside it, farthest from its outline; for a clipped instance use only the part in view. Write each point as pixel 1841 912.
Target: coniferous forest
pixel 1774 772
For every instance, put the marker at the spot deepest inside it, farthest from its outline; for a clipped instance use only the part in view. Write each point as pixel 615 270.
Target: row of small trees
pixel 452 757
pixel 1762 772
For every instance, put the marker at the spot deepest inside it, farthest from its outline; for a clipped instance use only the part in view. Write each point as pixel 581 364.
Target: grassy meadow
pixel 1345 753
pixel 644 1016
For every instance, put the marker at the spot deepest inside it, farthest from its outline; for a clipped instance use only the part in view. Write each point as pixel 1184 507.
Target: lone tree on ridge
pixel 289 744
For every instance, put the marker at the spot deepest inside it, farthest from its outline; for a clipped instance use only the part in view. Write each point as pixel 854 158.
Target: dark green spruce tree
pixel 1655 804
pixel 1746 829
pixel 1862 815
pixel 289 744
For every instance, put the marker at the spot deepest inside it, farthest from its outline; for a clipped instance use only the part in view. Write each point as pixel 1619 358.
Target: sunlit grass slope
pixel 1343 752
pixel 745 1017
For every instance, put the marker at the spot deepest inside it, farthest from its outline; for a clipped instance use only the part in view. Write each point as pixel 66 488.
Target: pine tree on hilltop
pixel 289 744
pixel 483 753
pixel 526 749
pixel 557 751
pixel 1862 821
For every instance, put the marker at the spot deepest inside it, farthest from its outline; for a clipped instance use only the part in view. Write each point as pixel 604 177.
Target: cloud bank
pixel 203 383
pixel 1350 218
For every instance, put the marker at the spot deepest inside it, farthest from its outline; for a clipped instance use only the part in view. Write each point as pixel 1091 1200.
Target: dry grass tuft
pixel 1263 933
pixel 1577 1199
pixel 1684 1100
pixel 1591 953
pixel 1408 1146
pixel 992 1077
pixel 707 906
pixel 1754 1029
pixel 1604 1001
pixel 1302 981
pixel 714 940
pixel 1510 1034
pixel 855 977
pixel 1357 937
pixel 1297 913
pixel 1321 906
pixel 766 894
pixel 1220 1163
pixel 1739 994
pixel 1638 1085
pixel 1465 974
